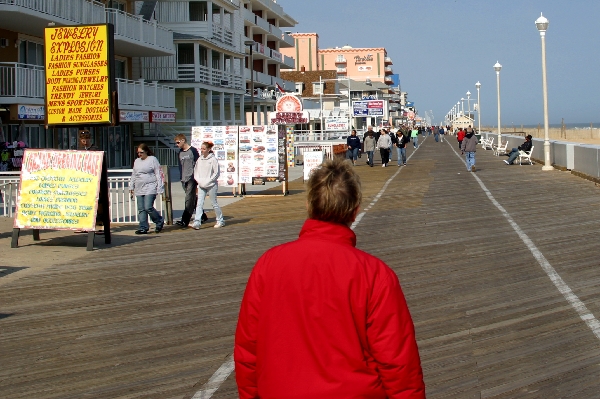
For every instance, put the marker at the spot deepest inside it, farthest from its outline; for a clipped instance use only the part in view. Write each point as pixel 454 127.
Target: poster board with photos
pixel 225 140
pixel 259 158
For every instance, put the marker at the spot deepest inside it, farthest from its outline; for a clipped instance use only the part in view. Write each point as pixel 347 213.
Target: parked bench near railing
pixel 123 209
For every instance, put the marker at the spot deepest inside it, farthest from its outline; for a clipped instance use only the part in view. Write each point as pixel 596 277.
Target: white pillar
pixel 209 105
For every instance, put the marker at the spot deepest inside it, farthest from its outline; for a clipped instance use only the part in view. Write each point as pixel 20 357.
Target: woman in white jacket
pixel 206 173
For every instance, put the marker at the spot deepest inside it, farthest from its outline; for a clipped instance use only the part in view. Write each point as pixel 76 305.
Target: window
pixel 185 54
pixel 198 10
pixel 299 87
pixel 31 53
pixel 120 69
pixel 318 88
pixel 115 5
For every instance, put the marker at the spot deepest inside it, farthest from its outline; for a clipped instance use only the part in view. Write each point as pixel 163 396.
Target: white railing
pixel 145 94
pixel 222 34
pixel 262 78
pixel 76 11
pixel 388 69
pixel 289 61
pixel 388 60
pixel 341 70
pixel 134 27
pixel 166 156
pixel 123 209
pixel 262 23
pixel 301 148
pixel 214 77
pixel 275 31
pixel 276 55
pixel 340 59
pixel 248 15
pixel 22 80
pixel 288 39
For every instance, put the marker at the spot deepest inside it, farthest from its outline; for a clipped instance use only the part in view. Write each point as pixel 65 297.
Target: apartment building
pixel 23 77
pixel 223 47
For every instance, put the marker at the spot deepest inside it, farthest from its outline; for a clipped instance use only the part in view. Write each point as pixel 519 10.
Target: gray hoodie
pixel 206 171
pixel 469 144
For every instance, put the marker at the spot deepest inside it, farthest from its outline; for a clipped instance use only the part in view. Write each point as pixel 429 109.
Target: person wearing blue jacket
pixel 353 145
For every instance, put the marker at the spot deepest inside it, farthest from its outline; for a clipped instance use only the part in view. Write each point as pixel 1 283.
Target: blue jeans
pixel 436 136
pixel 401 155
pixel 470 156
pixel 212 193
pixel 370 157
pixel 415 141
pixel 145 206
pixel 513 155
pixel 352 153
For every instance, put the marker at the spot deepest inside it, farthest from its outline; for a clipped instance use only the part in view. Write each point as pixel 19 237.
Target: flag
pixel 279 88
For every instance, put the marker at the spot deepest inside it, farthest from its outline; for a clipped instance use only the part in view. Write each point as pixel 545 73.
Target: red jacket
pixel 322 319
pixel 460 136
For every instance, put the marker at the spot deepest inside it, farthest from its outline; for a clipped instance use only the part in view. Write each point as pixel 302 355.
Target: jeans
pixel 191 198
pixel 385 153
pixel 401 155
pixel 415 141
pixel 442 138
pixel 470 156
pixel 390 153
pixel 370 157
pixel 352 153
pixel 459 144
pixel 145 206
pixel 212 193
pixel 437 137
pixel 513 155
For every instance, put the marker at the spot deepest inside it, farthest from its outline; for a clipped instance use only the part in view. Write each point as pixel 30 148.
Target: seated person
pixel 514 153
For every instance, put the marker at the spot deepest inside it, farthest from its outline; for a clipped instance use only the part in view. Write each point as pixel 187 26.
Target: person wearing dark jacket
pixel 322 319
pixel 188 156
pixel 460 136
pixel 352 147
pixel 401 148
pixel 514 153
pixel 468 148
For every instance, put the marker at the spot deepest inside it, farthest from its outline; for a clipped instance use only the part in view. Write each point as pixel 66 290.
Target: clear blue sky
pixel 441 48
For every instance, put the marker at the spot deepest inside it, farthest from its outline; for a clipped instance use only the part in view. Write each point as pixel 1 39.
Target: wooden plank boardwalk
pixel 154 318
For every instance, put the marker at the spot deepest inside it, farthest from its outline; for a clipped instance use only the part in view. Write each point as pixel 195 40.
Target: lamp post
pixel 542 25
pixel 250 44
pixel 469 103
pixel 497 68
pixel 462 105
pixel 478 85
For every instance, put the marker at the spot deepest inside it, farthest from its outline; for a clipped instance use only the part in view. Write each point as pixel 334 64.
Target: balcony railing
pixel 261 23
pixel 388 70
pixel 222 34
pixel 288 39
pixel 76 11
pixel 341 70
pixel 275 31
pixel 289 62
pixel 388 61
pixel 135 28
pixel 203 74
pixel 340 60
pixel 22 80
pixel 139 93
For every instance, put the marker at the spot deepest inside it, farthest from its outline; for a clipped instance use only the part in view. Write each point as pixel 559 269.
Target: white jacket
pixel 206 171
pixel 384 141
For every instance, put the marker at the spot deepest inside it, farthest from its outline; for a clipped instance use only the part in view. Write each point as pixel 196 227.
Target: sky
pixel 441 48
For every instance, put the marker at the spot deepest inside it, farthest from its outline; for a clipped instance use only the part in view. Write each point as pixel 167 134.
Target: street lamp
pixel 469 103
pixel 497 68
pixel 478 85
pixel 542 25
pixel 462 105
pixel 250 43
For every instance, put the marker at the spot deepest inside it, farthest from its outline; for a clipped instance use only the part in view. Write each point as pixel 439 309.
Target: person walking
pixel 337 313
pixel 206 173
pixel 436 134
pixel 401 148
pixel 414 135
pixel 393 140
pixel 460 136
pixel 187 157
pixel 147 181
pixel 468 148
pixel 369 143
pixel 441 133
pixel 384 143
pixel 352 147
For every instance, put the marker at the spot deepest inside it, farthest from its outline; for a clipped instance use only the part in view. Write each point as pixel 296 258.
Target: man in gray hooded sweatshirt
pixel 468 147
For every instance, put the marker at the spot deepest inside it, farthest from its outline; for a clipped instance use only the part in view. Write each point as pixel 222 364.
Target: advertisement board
pixel 225 148
pixel 336 124
pixel 59 189
pixel 78 74
pixel 258 146
pixel 368 108
pixel 312 160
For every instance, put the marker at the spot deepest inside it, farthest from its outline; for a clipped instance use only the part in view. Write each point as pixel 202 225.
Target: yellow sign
pixel 78 85
pixel 59 189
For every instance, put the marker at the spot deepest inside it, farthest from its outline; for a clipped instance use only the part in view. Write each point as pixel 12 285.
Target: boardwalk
pixel 154 317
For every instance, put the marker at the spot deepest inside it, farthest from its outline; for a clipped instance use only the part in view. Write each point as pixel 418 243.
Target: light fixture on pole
pixel 497 68
pixel 469 103
pixel 462 106
pixel 250 44
pixel 542 25
pixel 321 102
pixel 478 86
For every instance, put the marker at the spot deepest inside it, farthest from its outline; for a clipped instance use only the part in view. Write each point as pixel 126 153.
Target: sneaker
pixel 204 218
pixel 180 224
pixel 506 162
pixel 159 226
pixel 404 163
pixel 219 225
pixel 197 225
pixel 383 165
pixel 141 231
pixel 472 168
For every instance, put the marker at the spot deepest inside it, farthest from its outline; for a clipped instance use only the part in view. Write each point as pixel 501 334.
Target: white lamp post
pixel 469 103
pixel 497 68
pixel 478 86
pixel 462 106
pixel 542 25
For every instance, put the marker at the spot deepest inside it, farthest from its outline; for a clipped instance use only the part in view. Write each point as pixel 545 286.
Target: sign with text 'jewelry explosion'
pixel 59 189
pixel 78 79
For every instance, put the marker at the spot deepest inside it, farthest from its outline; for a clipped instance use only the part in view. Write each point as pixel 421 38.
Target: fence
pixel 123 209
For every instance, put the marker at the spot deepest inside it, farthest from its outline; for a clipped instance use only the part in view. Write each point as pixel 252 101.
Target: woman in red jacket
pixel 321 318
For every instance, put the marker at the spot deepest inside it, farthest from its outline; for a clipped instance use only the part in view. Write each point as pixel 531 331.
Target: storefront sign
pixel 78 84
pixel 289 118
pixel 312 160
pixel 134 116
pixel 336 124
pixel 162 117
pixel 368 108
pixel 365 68
pixel 27 112
pixel 362 60
pixel 59 189
pixel 276 55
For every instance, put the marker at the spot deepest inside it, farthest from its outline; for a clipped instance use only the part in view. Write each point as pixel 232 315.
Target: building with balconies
pixel 22 73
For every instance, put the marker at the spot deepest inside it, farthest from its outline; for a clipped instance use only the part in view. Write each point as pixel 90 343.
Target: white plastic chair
pixel 501 150
pixel 524 156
